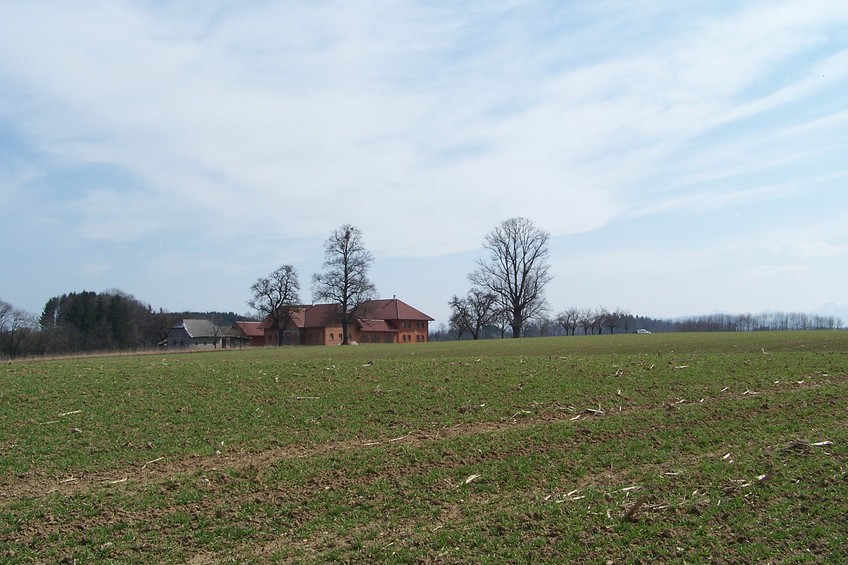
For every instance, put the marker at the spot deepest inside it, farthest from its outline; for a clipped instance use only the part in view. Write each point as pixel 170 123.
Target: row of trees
pixel 508 296
pixel 597 321
pixel 344 281
pixel 766 321
pixel 508 290
pixel 480 315
pixel 588 321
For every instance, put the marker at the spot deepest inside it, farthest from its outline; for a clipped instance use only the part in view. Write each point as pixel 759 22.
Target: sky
pixel 685 157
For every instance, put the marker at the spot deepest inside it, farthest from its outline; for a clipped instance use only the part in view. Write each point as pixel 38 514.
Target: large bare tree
pixel 276 296
pixel 345 278
pixel 516 270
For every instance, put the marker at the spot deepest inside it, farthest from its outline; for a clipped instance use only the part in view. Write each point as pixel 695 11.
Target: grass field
pixel 631 448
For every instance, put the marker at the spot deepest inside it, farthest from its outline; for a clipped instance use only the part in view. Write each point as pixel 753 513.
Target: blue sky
pixel 686 157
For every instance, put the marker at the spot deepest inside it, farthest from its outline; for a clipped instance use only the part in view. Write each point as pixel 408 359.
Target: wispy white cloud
pixel 795 270
pixel 818 250
pixel 92 268
pixel 448 117
pixel 110 215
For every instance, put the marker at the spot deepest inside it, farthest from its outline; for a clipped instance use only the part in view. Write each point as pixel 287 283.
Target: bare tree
pixel 626 319
pixel 586 320
pixel 601 319
pixel 7 328
pixel 568 320
pixel 502 319
pixel 15 327
pixel 276 296
pixel 345 279
pixel 546 325
pixel 613 320
pixel 516 270
pixel 218 332
pixel 5 315
pixel 459 316
pixel 474 312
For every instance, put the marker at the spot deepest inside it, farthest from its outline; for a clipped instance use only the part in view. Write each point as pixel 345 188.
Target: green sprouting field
pixel 630 448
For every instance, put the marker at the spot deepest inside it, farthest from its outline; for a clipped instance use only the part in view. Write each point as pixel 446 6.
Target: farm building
pixel 248 333
pixel 195 334
pixel 382 321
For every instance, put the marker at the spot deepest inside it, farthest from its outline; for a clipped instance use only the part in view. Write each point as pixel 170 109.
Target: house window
pixel 331 337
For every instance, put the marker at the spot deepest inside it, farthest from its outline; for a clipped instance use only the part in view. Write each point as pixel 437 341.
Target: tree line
pixel 507 298
pixel 113 320
pixel 88 321
pixel 599 321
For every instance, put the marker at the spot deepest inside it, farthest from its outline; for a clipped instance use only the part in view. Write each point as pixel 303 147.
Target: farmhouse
pixel 195 334
pixel 248 333
pixel 382 321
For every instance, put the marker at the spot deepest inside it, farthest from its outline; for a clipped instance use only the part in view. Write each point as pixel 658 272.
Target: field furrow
pixel 550 450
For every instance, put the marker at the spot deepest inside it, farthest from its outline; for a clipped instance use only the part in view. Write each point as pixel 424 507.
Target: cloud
pixel 818 250
pixel 332 111
pixel 264 126
pixel 762 272
pixel 93 268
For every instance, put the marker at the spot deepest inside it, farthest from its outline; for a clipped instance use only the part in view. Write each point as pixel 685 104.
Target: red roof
pixel 250 329
pixel 318 316
pixel 375 326
pixel 376 314
pixel 312 316
pixel 394 309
